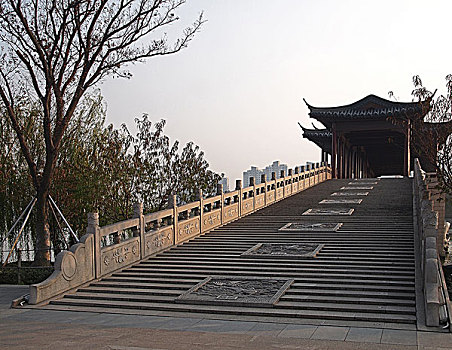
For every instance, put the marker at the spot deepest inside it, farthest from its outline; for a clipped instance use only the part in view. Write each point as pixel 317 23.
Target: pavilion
pixel 370 137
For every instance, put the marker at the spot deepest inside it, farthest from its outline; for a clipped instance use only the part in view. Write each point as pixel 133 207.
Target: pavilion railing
pixel 428 210
pixel 104 250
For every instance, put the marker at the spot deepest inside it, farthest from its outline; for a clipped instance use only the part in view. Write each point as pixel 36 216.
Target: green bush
pixel 28 274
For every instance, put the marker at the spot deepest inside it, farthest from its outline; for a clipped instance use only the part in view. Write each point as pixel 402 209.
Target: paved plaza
pixel 50 329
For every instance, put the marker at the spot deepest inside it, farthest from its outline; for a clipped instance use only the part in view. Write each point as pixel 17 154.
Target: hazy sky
pixel 237 90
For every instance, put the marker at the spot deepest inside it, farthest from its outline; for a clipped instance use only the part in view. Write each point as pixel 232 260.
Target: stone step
pixel 317 278
pixel 305 265
pixel 290 304
pixel 257 312
pixel 288 296
pixel 362 259
pixel 405 297
pixel 404 248
pixel 295 270
pixel 349 300
pixel 162 282
pixel 330 250
pixel 321 263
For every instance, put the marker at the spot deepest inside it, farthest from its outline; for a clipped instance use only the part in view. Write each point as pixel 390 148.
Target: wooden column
pixel 407 155
pixel 334 153
pixel 339 158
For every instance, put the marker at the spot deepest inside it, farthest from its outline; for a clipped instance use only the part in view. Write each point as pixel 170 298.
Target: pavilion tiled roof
pixel 321 137
pixel 370 107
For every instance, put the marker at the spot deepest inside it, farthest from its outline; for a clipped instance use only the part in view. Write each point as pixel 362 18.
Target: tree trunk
pixel 42 249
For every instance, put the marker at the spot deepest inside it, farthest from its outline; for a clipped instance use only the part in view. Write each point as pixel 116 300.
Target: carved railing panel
pixel 230 213
pixel 247 206
pixel 120 255
pixel 211 220
pixel 187 229
pixel 156 241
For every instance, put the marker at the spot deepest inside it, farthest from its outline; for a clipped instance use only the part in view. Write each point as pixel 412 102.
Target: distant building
pixel 275 167
pixel 225 183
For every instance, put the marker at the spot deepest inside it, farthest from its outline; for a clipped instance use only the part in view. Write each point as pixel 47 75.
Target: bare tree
pixel 54 51
pixel 432 135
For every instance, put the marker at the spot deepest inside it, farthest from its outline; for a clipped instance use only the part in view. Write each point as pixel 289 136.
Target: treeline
pixel 100 168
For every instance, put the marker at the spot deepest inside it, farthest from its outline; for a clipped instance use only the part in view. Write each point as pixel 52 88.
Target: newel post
pixel 238 187
pixel 264 181
pixel 253 183
pixel 200 198
pixel 220 193
pixel 94 229
pixel 138 213
pixel 172 204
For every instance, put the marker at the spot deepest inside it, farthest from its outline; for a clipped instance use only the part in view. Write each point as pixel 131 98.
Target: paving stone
pixel 393 336
pixel 364 335
pixel 298 331
pixel 330 333
pixel 221 326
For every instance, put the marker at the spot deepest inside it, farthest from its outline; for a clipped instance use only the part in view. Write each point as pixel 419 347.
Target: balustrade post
pixel 220 193
pixel 172 204
pixel 252 183
pixel 139 232
pixel 264 181
pixel 238 187
pixel 201 209
pixel 93 228
pixel 297 176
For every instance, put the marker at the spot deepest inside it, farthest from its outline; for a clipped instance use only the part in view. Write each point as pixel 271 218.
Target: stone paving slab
pixel 330 333
pixel 34 328
pixel 364 335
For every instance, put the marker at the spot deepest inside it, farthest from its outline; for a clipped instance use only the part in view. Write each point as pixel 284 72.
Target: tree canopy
pixel 53 52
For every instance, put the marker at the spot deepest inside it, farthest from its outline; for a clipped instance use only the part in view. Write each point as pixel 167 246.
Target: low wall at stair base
pixel 73 268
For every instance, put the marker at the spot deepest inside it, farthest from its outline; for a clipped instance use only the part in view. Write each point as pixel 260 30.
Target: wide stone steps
pixel 104 305
pixel 395 299
pixel 364 273
pixel 283 303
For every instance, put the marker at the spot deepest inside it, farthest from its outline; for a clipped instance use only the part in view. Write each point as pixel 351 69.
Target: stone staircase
pixel 364 274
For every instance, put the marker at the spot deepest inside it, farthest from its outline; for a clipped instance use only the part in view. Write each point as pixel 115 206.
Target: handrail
pixel 149 235
pixel 430 233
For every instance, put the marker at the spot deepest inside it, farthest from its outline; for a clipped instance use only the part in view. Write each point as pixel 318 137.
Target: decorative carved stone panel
pixel 279 193
pixel 259 201
pixel 187 229
pixel 351 194
pixel 288 189
pixel 357 188
pixel 247 206
pixel 310 227
pixel 230 212
pixel 283 250
pixel 341 201
pixel 270 196
pixel 329 212
pixel 236 291
pixel 211 220
pixel 120 255
pixel 159 240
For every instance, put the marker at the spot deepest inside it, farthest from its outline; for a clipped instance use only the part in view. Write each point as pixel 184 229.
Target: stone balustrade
pixel 430 227
pixel 104 250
